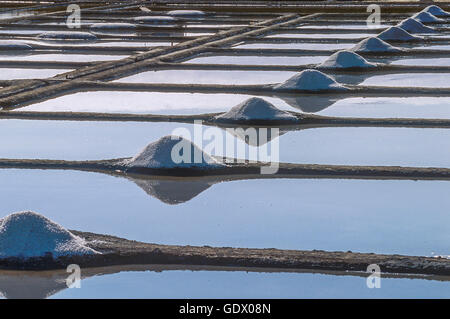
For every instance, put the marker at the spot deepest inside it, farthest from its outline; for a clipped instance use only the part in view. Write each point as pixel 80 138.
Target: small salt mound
pixel 67 36
pixel 373 44
pixel 28 234
pixel 159 155
pixel 255 109
pixel 310 80
pixel 397 34
pixel 346 59
pixel 436 11
pixel 14 45
pixel 155 20
pixel 425 17
pixel 414 26
pixel 186 13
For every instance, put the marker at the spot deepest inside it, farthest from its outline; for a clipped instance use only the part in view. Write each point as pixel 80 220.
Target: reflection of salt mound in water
pixel 13 46
pixel 425 17
pixel 309 104
pixel 436 11
pixel 397 34
pixel 31 285
pixel 169 152
pixel 108 28
pixel 311 80
pixel 373 44
pixel 255 109
pixel 67 36
pixel 254 137
pixel 28 234
pixel 156 20
pixel 346 59
pixel 186 13
pixel 172 192
pixel 414 26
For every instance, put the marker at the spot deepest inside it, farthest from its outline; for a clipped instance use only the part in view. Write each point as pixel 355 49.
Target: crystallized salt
pixel 346 59
pixel 29 234
pixel 436 11
pixel 59 35
pixel 255 109
pixel 397 34
pixel 414 26
pixel 172 152
pixel 310 80
pixel 373 44
pixel 425 17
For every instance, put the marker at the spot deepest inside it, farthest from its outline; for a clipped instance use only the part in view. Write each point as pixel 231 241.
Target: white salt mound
pixel 59 35
pixel 255 109
pixel 346 59
pixel 186 13
pixel 425 17
pixel 436 11
pixel 397 34
pixel 310 80
pixel 159 155
pixel 373 44
pixel 29 234
pixel 414 26
pixel 155 20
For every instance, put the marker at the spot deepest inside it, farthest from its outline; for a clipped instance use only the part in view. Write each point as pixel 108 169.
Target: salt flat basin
pixel 434 47
pixel 257 60
pixel 209 77
pixel 214 283
pixel 430 61
pixel 13 74
pixel 305 46
pixel 104 140
pixel 335 215
pixel 322 35
pixel 117 44
pixel 64 57
pixel 197 103
pixel 441 80
pixel 343 26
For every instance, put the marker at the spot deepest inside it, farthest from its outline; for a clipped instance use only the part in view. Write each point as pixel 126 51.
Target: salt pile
pixel 310 80
pixel 172 152
pixel 346 59
pixel 186 13
pixel 71 36
pixel 436 11
pixel 156 20
pixel 29 234
pixel 414 26
pixel 373 44
pixel 397 34
pixel 425 17
pixel 255 109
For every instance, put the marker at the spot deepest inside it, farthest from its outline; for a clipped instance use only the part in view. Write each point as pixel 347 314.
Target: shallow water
pixel 209 77
pixel 221 284
pixel 196 103
pixel 440 80
pixel 322 35
pixel 64 57
pixel 293 214
pixel 257 60
pixel 15 74
pixel 305 46
pixel 432 62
